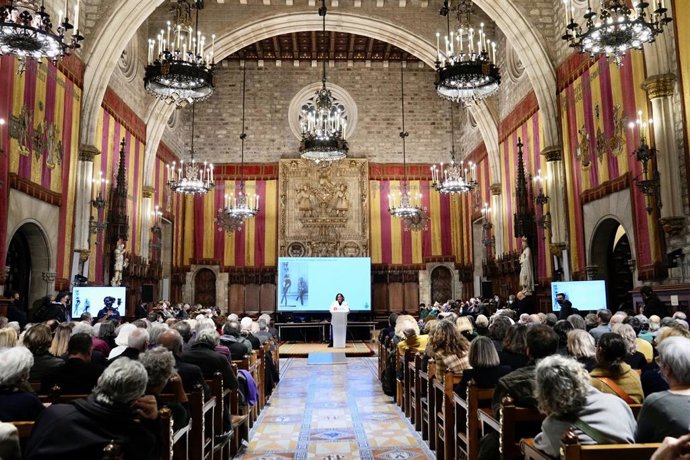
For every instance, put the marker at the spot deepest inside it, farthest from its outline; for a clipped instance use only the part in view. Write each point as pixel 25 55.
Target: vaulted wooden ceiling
pixel 309 46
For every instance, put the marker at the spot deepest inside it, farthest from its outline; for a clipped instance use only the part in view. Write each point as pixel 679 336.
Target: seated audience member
pixel 263 334
pixel 634 358
pixel 652 304
pixel 117 410
pixel 643 346
pixel 97 355
pixel 482 326
pixel 160 369
pixel 246 326
pixel 652 379
pixel 603 319
pixel 403 322
pixel 666 413
pixel 465 327
pixel 203 354
pixel 121 339
pixel 387 333
pixel 414 340
pixel 561 328
pixel 513 352
pixel 37 339
pixel 266 317
pixel 581 347
pixel 17 404
pixel 485 366
pixel 591 321
pixel 189 373
pixel 137 342
pixel 233 339
pixel 673 449
pixel 79 375
pixel 519 384
pixel 550 319
pixel 567 399
pixel 612 374
pixel 577 321
pixel 8 337
pixel 498 329
pixel 449 349
pixel 185 330
pixel 9 442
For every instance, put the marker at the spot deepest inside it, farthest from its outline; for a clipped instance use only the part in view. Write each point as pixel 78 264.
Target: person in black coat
pixel 652 304
pixel 189 373
pixel 79 375
pixel 203 354
pixel 565 304
pixel 117 410
pixel 16 311
pixel 232 338
pixel 17 404
pixel 37 340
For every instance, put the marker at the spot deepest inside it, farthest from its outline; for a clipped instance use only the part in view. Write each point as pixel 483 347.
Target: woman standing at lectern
pixel 338 304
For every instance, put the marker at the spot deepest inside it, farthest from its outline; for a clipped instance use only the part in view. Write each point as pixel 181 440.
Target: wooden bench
pixel 427 395
pixel 444 411
pixel 415 403
pixel 572 450
pixel 510 418
pixel 408 360
pixel 467 420
pixel 201 434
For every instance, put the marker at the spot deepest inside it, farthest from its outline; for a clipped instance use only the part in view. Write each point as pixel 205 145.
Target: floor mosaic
pixel 336 412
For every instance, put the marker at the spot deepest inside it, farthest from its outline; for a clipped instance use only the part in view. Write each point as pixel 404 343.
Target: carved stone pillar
pixel 82 208
pixel 497 218
pixel 147 208
pixel 557 206
pixel 659 90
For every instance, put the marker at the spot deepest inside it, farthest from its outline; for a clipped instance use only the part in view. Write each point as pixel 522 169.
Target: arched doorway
pixel 28 258
pixel 205 288
pixel 441 284
pixel 611 254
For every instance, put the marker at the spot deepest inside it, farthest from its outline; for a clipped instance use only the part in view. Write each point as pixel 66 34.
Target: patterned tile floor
pixel 332 412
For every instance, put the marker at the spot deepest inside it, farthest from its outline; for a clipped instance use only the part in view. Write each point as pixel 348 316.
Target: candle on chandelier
pixel 438 47
pixel 60 13
pixel 460 37
pixel 76 17
pixel 493 51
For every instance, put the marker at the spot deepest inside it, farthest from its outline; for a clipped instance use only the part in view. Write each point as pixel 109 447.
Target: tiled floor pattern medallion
pixel 334 412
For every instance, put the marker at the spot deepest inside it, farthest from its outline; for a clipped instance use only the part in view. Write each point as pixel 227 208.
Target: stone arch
pixel 610 252
pixel 40 258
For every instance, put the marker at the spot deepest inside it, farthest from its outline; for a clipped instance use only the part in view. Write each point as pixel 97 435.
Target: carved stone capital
pixel 659 85
pixel 147 191
pixel 556 249
pixel 87 152
pixel 673 226
pixel 553 153
pixel 495 189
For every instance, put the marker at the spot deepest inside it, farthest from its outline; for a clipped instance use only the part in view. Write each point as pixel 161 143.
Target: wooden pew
pixel 415 389
pixel 408 360
pixel 201 434
pixel 467 421
pixel 444 411
pixel 427 403
pixel 510 418
pixel 572 450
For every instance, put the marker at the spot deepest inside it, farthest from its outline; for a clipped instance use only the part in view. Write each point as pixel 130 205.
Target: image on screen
pixel 311 283
pixel 90 299
pixel 584 295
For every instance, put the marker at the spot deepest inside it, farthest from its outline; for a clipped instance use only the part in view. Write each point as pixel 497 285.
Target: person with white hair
pixel 666 413
pixel 137 342
pixel 203 354
pixel 121 339
pixel 160 367
pixel 246 325
pixel 16 403
pixel 83 428
pixel 565 396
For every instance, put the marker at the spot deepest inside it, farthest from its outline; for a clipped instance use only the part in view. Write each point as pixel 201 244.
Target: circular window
pixel 304 102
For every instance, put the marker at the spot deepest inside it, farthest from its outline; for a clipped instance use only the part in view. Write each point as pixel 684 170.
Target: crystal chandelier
pixel 323 126
pixel 191 177
pixel 615 28
pixel 177 71
pixel 27 31
pixel 453 177
pixel 406 206
pixel 466 69
pixel 238 207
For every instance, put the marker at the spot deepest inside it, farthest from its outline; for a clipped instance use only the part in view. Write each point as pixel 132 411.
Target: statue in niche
pixel 342 201
pixel 120 264
pixel 526 275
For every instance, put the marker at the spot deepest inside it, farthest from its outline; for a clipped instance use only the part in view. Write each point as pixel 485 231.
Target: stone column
pixel 147 209
pixel 659 90
pixel 496 217
pixel 557 207
pixel 82 208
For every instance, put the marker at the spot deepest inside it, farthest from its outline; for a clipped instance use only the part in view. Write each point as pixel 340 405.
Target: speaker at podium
pixel 339 310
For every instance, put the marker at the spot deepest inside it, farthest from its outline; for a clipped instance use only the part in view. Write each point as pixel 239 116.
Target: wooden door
pixel 441 285
pixel 205 288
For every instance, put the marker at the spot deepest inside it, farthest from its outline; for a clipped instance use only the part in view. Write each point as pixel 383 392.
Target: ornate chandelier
pixel 466 69
pixel 27 31
pixel 323 126
pixel 238 207
pixel 406 206
pixel 178 72
pixel 191 177
pixel 453 177
pixel 615 28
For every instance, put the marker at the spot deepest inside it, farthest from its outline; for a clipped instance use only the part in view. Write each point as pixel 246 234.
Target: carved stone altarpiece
pixel 324 208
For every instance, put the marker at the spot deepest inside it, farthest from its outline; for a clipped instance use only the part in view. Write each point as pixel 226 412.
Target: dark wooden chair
pixel 511 418
pixel 572 450
pixel 467 421
pixel 444 411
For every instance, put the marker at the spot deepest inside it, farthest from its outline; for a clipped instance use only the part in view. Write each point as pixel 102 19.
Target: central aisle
pixel 333 412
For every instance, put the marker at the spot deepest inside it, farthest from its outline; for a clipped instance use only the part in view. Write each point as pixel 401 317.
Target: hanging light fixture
pixel 466 68
pixel 615 28
pixel 190 177
pixel 177 71
pixel 453 177
pixel 406 206
pixel 27 31
pixel 323 126
pixel 240 206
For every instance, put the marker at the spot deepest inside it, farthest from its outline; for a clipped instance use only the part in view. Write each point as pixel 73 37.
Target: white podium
pixel 339 326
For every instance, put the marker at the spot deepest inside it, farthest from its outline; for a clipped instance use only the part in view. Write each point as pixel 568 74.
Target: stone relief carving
pixel 324 208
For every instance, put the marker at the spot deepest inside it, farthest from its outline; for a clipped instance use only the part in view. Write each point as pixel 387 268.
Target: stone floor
pixel 332 412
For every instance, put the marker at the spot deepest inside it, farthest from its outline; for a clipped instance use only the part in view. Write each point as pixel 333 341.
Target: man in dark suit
pixel 79 375
pixel 232 338
pixel 203 354
pixel 189 373
pixel 565 304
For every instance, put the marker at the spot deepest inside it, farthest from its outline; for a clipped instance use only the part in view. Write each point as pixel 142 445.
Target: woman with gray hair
pixel 666 413
pixel 17 404
pixel 160 368
pixel 581 347
pixel 569 402
pixel 634 358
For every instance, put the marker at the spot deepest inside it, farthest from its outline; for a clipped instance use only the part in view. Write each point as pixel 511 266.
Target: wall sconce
pixel 99 187
pixel 648 182
pixel 488 239
pixel 544 219
pixel 156 228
